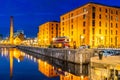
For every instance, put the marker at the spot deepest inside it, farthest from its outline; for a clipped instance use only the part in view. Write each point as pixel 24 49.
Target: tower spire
pixel 11 30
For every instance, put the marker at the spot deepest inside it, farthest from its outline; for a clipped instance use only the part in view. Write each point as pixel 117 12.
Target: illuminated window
pixel 63 29
pixel 99 31
pixel 111 17
pixel 111 40
pixel 111 32
pixel 62 34
pixel 93 30
pixel 72 33
pixel 111 25
pixel 71 20
pixel 83 31
pixel 84 23
pixel 84 16
pixel 84 9
pixel 105 31
pixel 116 18
pixel 106 24
pixel 62 23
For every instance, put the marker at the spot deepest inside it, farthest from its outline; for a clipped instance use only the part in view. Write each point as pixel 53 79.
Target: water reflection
pixel 47 68
pixel 66 70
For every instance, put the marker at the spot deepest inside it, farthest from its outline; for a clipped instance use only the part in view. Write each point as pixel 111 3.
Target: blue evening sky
pixel 29 14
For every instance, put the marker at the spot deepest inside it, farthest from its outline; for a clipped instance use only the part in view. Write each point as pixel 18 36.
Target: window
pixel 93 22
pixel 52 32
pixel 106 10
pixel 62 23
pixel 100 23
pixel 71 20
pixel 105 31
pixel 111 11
pixel 52 24
pixel 100 16
pixel 63 18
pixel 116 18
pixel 116 25
pixel 93 30
pixel 111 17
pixel 56 28
pixel 99 31
pixel 111 25
pixel 71 26
pixel 116 32
pixel 56 25
pixel 93 15
pixel 84 16
pixel 106 24
pixel 93 9
pixel 116 12
pixel 83 31
pixel 106 17
pixel 71 14
pixel 52 28
pixel 62 34
pixel 111 40
pixel 111 32
pixel 63 28
pixel 72 33
pixel 100 9
pixel 84 23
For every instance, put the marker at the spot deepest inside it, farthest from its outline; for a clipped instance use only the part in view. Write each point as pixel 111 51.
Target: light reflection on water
pixel 16 65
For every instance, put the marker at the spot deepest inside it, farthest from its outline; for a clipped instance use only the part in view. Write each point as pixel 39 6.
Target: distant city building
pixel 92 24
pixel 18 38
pixel 47 32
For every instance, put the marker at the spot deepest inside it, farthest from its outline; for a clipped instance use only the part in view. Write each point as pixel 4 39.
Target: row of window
pixel 106 16
pixel 106 10
pixel 106 31
pixel 100 24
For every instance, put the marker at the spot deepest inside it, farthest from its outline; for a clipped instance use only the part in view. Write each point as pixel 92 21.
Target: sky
pixel 29 14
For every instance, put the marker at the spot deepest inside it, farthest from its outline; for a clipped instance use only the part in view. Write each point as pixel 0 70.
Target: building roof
pixel 93 3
